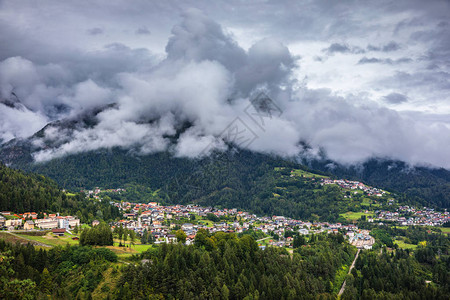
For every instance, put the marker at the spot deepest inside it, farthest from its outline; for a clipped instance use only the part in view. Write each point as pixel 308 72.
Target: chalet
pixel 59 231
pixel 29 225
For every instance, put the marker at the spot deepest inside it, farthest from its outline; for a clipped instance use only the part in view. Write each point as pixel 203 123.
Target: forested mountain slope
pixel 26 192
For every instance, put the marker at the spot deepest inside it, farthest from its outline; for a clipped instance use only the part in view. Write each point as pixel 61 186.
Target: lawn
pixel 51 239
pixel 208 223
pixel 136 248
pixel 401 244
pixel 353 216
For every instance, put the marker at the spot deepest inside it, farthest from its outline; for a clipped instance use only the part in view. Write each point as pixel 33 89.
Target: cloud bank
pixel 198 95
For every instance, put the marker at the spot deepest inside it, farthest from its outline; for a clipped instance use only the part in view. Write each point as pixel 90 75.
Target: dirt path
pixel 349 270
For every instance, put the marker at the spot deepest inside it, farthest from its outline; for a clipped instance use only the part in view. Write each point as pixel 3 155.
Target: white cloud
pixel 204 78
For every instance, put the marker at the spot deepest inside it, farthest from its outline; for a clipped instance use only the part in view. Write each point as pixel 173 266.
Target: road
pixel 349 270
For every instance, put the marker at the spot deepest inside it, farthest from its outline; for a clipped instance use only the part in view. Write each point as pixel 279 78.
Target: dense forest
pixel 115 167
pixel 233 179
pixel 22 192
pixel 225 266
pixel 61 272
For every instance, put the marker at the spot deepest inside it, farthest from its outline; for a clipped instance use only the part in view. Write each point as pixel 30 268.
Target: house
pixel 73 222
pixel 29 225
pixel 303 231
pixel 95 222
pixel 187 227
pixel 46 223
pixel 13 222
pixel 59 231
pixel 63 223
pixel 171 238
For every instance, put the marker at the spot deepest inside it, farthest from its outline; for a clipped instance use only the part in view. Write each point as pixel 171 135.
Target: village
pixel 278 231
pixel 410 216
pixel 161 222
pixel 354 185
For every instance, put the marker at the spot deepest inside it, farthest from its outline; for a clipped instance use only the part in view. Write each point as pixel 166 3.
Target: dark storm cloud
pixel 395 98
pixel 391 46
pixel 204 60
pixel 199 37
pixel 342 48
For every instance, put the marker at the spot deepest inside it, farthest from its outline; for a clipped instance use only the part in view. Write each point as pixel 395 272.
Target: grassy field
pixel 135 249
pixel 51 239
pixel 353 216
pixel 445 229
pixel 303 173
pixel 208 223
pixel 401 244
pixel 306 174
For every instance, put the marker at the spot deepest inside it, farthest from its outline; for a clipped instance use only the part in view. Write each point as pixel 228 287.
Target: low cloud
pixel 186 100
pixel 386 61
pixel 342 48
pixel 389 47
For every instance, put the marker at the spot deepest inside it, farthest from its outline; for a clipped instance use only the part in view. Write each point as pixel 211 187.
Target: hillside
pixel 420 185
pixel 20 192
pixel 235 179
pixel 27 192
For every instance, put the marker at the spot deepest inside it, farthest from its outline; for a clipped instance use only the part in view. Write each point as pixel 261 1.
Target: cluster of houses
pixel 354 185
pixel 95 192
pixel 408 216
pixel 30 221
pixel 361 239
pixel 160 221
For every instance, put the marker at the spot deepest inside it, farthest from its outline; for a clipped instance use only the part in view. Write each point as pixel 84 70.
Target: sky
pixel 350 79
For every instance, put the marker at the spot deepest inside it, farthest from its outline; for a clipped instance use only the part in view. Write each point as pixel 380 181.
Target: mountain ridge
pixel 120 166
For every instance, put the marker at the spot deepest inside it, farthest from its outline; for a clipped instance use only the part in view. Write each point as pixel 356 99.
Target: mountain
pixel 234 178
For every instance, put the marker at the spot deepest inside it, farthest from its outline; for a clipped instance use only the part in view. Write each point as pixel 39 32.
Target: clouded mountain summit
pixel 339 83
